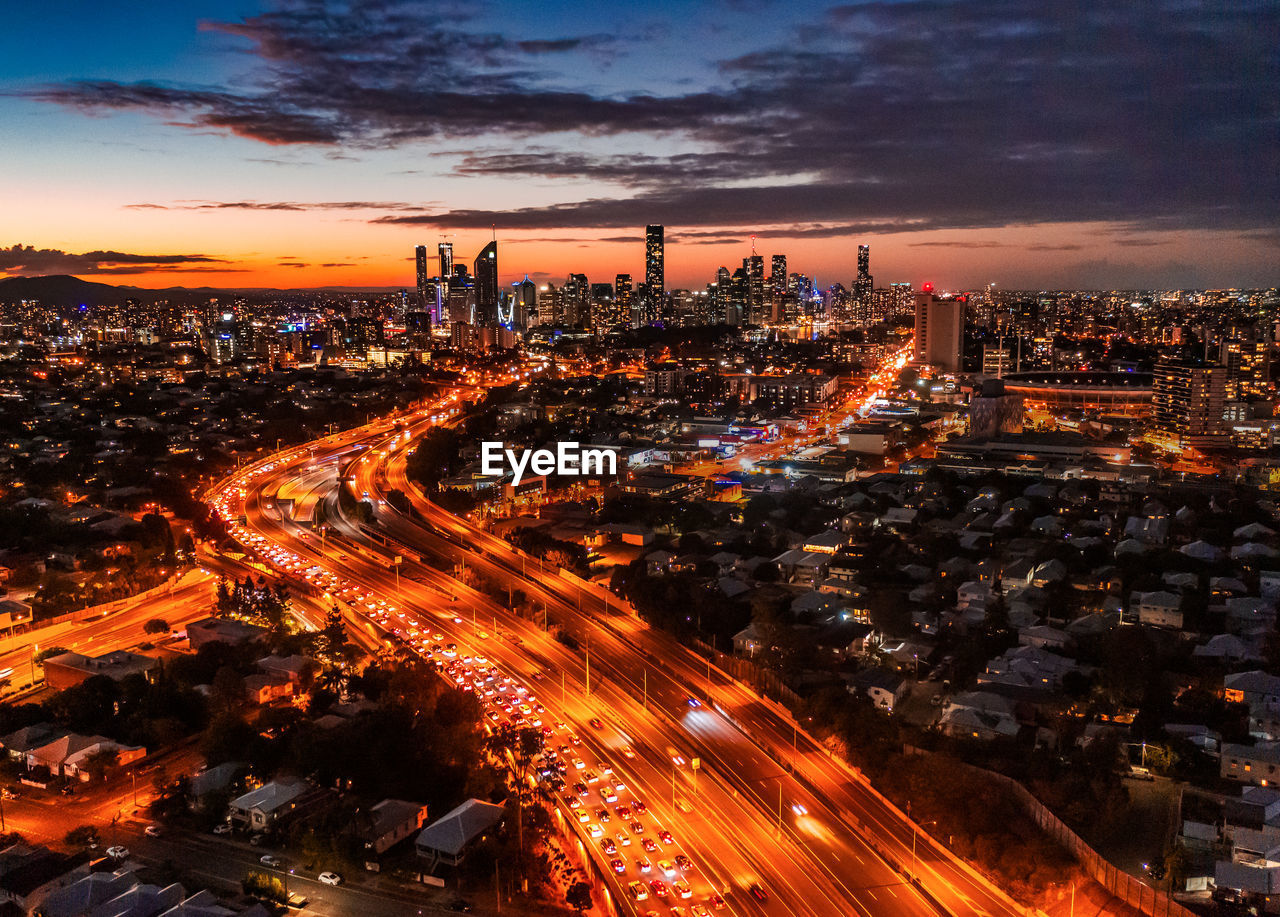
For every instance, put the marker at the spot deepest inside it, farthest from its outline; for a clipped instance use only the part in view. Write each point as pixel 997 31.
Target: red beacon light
pixel 927 288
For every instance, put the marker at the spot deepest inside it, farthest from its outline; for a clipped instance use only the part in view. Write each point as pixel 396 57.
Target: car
pixel 628 751
pixel 623 812
pixel 118 853
pixel 700 910
pixel 648 844
pixel 581 789
pixel 695 703
pixel 7 793
pixel 682 889
pixel 637 891
pixel 330 878
pixel 460 906
pixel 643 864
pixel 618 866
pixel 639 807
pixel 717 902
pixel 597 831
pixel 636 828
pixel 758 892
pixel 223 828
pixel 596 723
pixel 608 846
pixel 659 888
pixel 684 862
pixel 667 868
pixel 603 814
pixel 268 859
pixel 152 831
pixel 665 837
pixel 624 839
pixel 608 793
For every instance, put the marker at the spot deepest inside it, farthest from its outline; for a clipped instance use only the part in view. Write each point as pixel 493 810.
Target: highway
pixel 188 599
pixel 751 820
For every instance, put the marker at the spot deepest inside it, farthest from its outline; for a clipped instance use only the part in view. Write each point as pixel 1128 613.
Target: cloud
pixel 25 260
pixel 277 205
pixel 956 243
pixel 337 264
pixel 292 264
pixel 873 116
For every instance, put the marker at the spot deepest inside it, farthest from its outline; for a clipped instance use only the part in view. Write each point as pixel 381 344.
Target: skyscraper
pixel 862 286
pixel 486 271
pixel 754 311
pixel 939 332
pixel 446 259
pixel 654 269
pixel 424 273
pixel 624 300
pixel 526 303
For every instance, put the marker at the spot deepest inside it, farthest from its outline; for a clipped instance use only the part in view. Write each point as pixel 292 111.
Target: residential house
pixel 388 823
pixel 69 669
pixel 885 687
pixel 445 840
pixel 261 809
pixel 72 755
pixel 1257 764
pixel 1157 609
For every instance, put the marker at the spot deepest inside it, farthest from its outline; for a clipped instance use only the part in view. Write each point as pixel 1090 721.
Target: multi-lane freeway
pixel 767 823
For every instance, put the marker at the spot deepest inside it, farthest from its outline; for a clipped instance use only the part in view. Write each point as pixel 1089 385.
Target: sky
pixel 306 143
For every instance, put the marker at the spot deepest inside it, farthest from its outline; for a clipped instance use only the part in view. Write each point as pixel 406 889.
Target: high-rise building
pixel 777 286
pixel 624 300
pixel 862 286
pixel 445 250
pixel 754 312
pixel 939 331
pixel 577 301
pixel 424 275
pixel 654 261
pixel 525 303
pixel 486 271
pixel 1187 401
pixel 1248 363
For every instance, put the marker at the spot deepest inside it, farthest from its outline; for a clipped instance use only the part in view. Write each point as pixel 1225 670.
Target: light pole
pixel 915 830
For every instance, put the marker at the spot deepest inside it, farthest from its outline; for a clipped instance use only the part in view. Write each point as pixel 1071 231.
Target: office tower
pixel 736 304
pixel 939 332
pixel 1188 400
pixel 654 261
pixel 777 286
pixel 754 311
pixel 577 301
pixel 526 303
pixel 863 285
pixel 424 274
pixel 486 271
pixel 446 259
pixel 462 298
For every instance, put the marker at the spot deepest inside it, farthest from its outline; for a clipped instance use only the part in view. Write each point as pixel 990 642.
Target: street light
pixel 915 831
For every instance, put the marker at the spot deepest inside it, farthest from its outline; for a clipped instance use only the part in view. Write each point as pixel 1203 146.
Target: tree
pixel 98 762
pixel 578 896
pixel 156 626
pixel 82 836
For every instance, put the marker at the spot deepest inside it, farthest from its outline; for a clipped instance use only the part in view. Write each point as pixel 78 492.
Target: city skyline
pixel 973 144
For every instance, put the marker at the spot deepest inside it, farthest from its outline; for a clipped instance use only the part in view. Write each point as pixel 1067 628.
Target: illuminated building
pixel 424 274
pixel 862 286
pixel 654 270
pixel 1188 400
pixel 1117 394
pixel 486 285
pixel 939 331
pixel 445 250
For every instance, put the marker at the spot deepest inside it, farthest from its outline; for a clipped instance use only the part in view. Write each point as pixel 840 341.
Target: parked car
pixel 268 859
pixel 118 853
pixel 224 828
pixel 153 831
pixel 330 878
